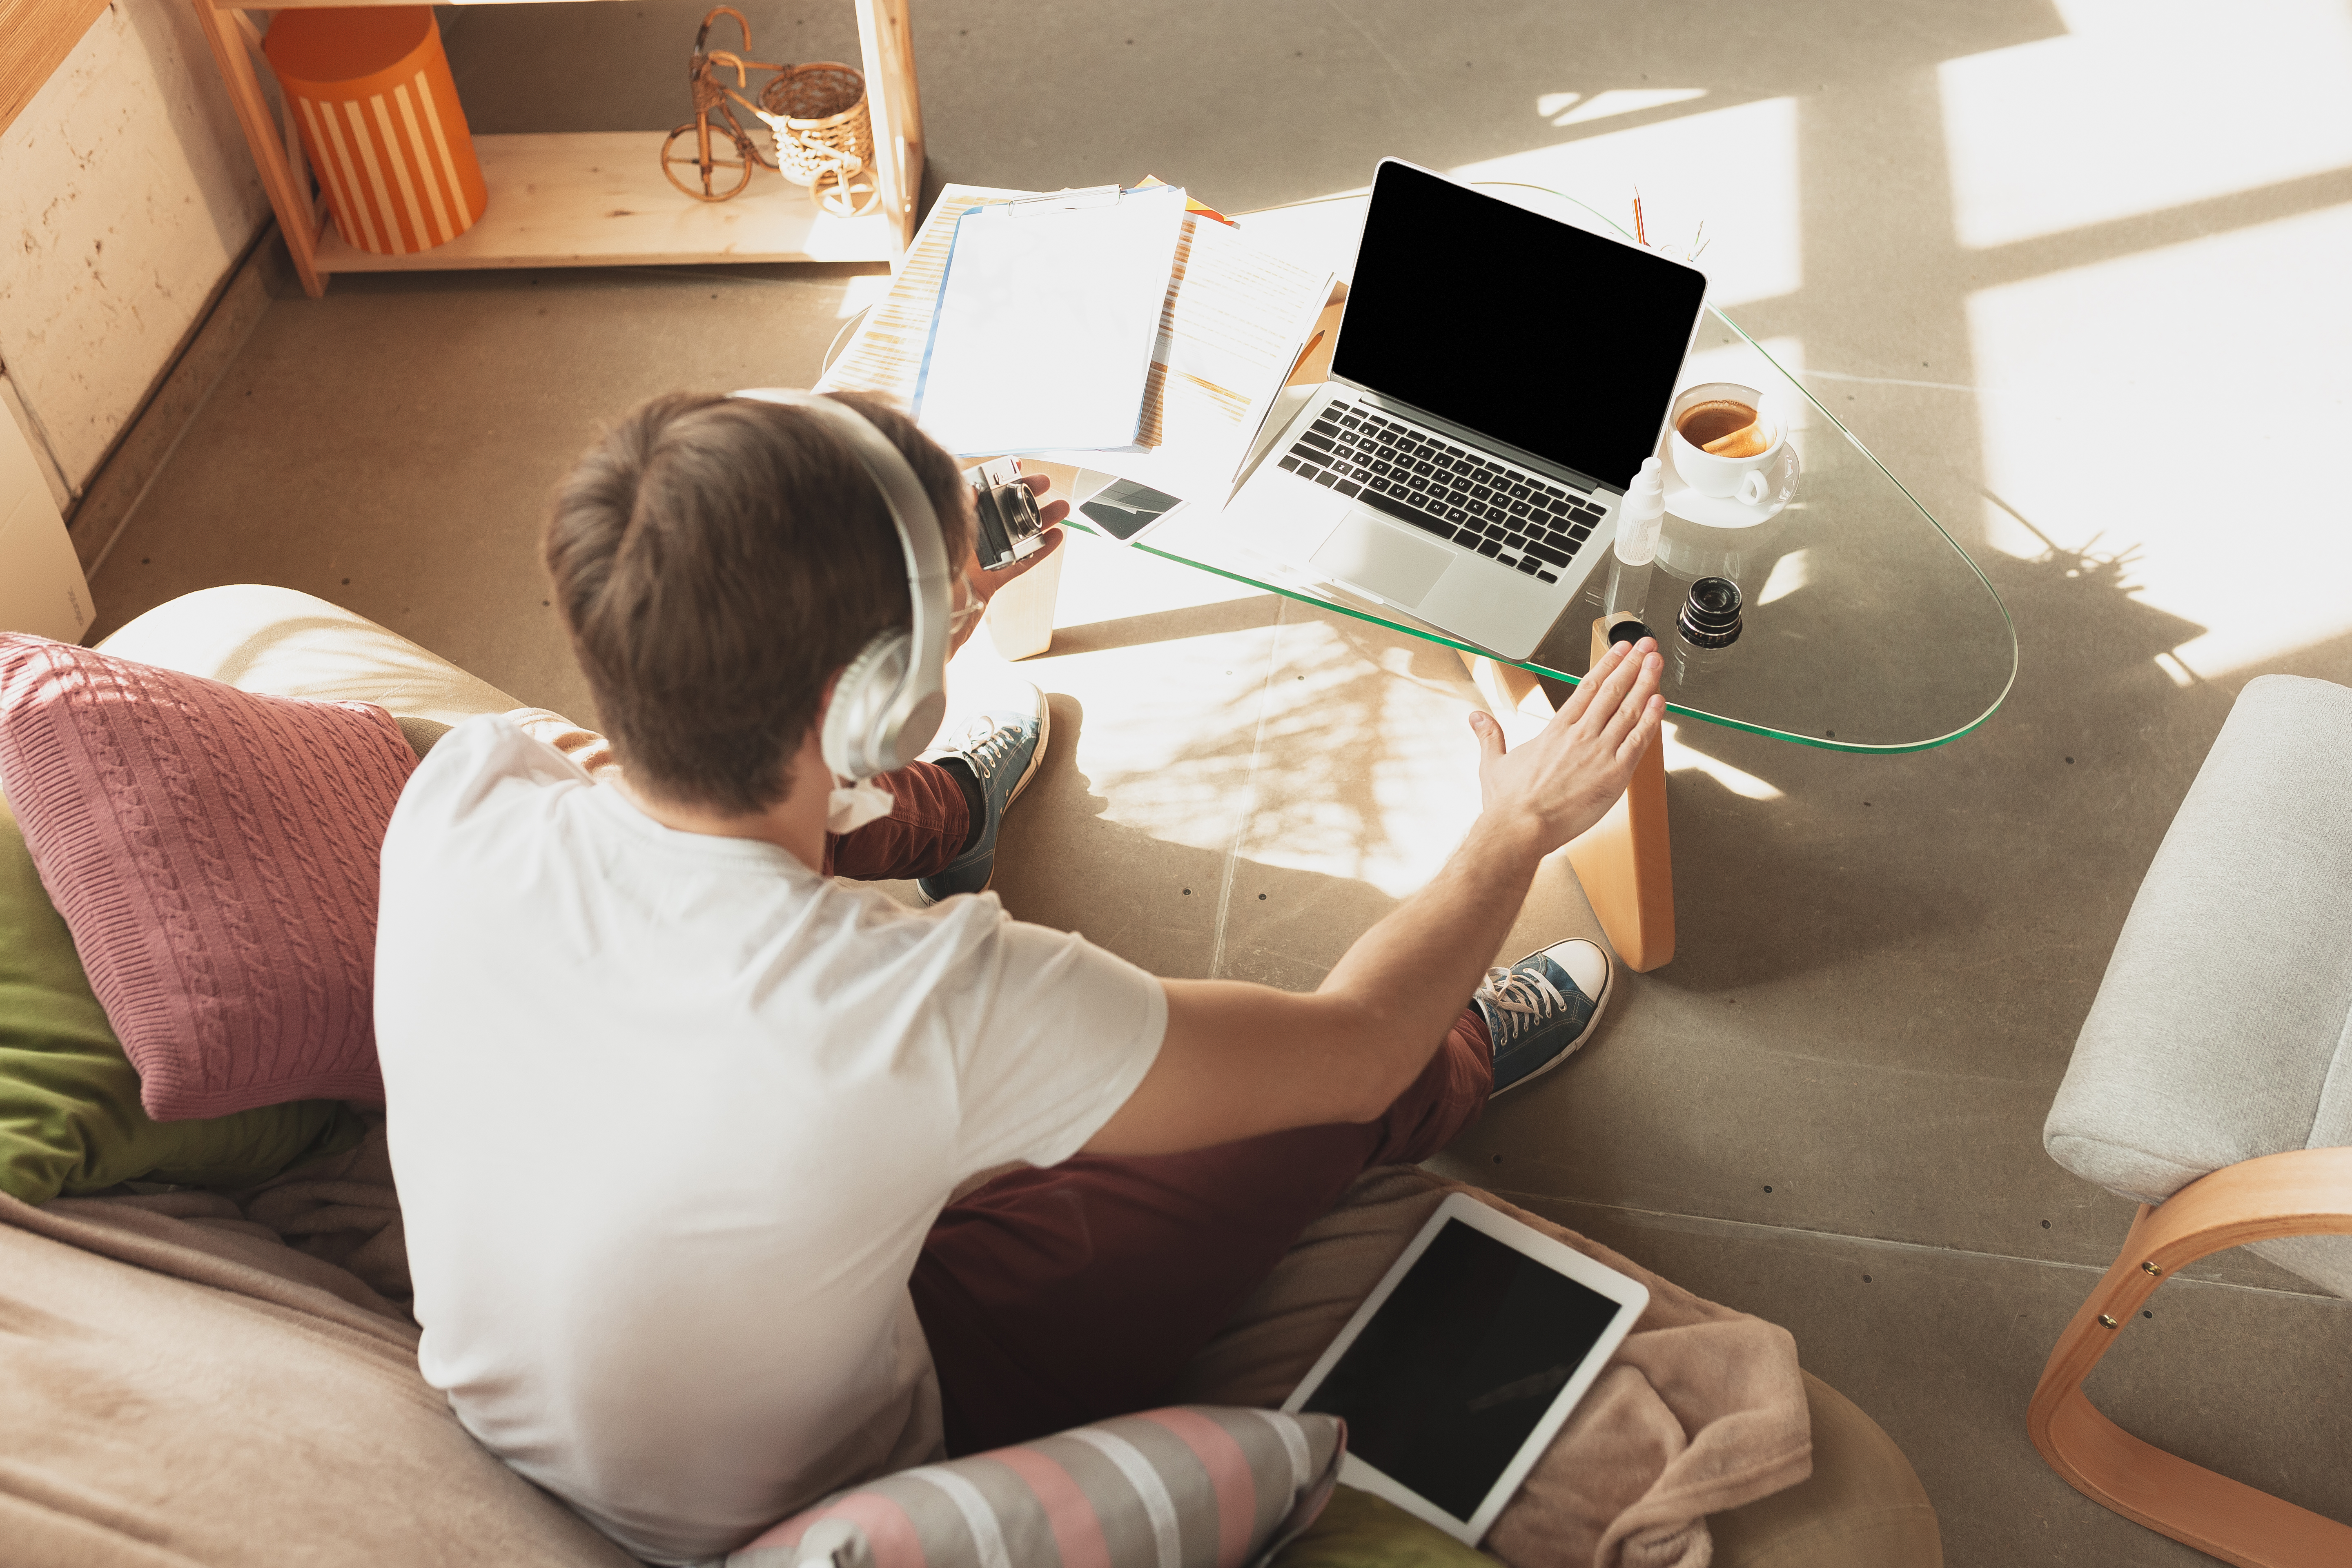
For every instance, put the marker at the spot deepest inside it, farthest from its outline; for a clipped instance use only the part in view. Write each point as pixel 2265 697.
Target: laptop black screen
pixel 1559 341
pixel 1444 1384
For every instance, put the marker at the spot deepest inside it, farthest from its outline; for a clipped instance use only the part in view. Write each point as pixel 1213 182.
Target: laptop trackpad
pixel 1381 560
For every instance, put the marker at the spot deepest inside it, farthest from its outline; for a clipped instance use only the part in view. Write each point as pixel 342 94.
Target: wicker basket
pixel 818 115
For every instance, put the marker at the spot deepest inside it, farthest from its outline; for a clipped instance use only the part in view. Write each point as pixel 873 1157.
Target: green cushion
pixel 70 1119
pixel 1357 1530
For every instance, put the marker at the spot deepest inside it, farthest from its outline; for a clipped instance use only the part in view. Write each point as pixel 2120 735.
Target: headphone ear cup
pixel 918 729
pixel 858 739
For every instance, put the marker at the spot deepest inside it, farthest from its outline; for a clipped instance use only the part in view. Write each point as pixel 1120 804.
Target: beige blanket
pixel 229 1401
pixel 1702 1410
pixel 246 1392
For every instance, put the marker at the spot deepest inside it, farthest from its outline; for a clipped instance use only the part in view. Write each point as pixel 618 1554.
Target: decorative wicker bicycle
pixel 816 120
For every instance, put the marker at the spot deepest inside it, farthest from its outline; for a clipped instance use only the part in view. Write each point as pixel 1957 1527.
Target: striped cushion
pixel 1187 1487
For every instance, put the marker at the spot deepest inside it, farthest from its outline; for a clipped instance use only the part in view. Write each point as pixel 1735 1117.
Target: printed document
pixel 885 354
pixel 1233 318
pixel 1230 330
pixel 1045 322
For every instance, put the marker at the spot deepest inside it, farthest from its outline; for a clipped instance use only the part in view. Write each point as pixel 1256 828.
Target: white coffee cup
pixel 1744 478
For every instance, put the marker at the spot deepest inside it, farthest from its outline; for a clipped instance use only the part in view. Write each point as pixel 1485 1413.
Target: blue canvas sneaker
pixel 1002 745
pixel 1541 1008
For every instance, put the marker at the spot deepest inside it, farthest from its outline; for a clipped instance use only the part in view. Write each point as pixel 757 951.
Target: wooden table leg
pixel 1625 866
pixel 1623 861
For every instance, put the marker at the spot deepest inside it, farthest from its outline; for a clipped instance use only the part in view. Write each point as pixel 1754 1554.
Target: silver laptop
pixel 1498 379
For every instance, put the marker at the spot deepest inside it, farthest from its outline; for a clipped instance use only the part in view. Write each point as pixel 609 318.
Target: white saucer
pixel 1730 511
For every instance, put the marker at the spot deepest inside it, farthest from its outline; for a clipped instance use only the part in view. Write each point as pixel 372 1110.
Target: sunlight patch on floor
pixel 1575 108
pixel 1750 204
pixel 1753 245
pixel 1681 757
pixel 1363 773
pixel 863 292
pixel 2190 402
pixel 2147 104
pixel 1790 573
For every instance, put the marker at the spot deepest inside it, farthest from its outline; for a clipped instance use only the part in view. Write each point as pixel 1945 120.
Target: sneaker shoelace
pixel 1523 1000
pixel 986 744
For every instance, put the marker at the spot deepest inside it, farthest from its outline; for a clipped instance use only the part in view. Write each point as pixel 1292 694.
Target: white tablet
pixel 1459 1368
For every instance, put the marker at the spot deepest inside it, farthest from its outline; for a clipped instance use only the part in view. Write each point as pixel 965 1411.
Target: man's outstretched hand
pixel 1566 779
pixel 1240 1060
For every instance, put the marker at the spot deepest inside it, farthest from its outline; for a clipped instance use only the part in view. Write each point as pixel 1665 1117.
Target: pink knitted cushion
pixel 215 853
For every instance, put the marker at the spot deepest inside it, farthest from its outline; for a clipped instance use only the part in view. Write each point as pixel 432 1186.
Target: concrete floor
pixel 2072 269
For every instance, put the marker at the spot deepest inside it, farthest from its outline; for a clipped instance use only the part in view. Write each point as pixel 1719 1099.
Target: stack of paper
pixel 1179 417
pixel 1046 321
pixel 885 354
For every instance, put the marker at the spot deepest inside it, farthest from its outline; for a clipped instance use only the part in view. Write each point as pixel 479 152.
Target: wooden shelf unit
pixel 596 198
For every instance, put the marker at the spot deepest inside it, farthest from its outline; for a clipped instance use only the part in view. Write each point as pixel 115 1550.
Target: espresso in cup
pixel 1723 440
pixel 1702 424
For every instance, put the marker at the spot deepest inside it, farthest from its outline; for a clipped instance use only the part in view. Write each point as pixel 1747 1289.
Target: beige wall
pixel 126 194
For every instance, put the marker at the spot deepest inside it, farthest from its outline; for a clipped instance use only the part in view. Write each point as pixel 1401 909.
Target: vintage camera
pixel 1010 528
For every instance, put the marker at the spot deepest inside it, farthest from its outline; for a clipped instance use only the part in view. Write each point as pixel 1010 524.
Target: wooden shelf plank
pixel 306 5
pixel 598 198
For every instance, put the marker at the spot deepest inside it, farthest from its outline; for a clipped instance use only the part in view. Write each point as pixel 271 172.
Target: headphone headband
pixel 888 702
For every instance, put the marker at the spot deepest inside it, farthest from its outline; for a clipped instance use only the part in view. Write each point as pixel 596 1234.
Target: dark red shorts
pixel 1057 1297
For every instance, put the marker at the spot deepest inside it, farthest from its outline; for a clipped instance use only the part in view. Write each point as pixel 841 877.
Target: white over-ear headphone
pixel 890 700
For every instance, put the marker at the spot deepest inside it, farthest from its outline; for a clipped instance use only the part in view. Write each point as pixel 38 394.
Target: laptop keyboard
pixel 1512 517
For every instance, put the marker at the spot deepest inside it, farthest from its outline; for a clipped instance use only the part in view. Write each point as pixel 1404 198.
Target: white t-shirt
pixel 670 1117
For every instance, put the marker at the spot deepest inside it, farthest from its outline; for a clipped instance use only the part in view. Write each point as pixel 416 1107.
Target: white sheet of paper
pixel 1235 317
pixel 885 352
pixel 1046 325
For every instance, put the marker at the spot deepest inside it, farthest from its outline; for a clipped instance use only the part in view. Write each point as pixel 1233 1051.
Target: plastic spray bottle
pixel 1638 521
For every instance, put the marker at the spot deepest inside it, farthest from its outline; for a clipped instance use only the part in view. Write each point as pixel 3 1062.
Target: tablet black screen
pixel 1459 1364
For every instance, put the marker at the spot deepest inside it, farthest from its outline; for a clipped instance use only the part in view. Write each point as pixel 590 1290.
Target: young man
pixel 675 1116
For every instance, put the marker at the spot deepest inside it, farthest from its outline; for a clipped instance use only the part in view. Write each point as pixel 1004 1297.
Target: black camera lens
pixel 1710 617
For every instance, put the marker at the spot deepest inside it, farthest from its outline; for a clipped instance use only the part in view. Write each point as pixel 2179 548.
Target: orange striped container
pixel 378 110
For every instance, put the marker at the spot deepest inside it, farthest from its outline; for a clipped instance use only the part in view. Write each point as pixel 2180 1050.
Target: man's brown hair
pixel 715 559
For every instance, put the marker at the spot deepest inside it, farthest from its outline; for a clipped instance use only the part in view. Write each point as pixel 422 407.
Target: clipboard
pixel 1046 321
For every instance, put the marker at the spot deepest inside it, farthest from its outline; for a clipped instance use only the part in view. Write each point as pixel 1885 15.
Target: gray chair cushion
pixel 276 640
pixel 2223 1029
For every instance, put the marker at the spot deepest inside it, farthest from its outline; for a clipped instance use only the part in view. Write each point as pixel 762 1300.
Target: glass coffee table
pixel 1865 627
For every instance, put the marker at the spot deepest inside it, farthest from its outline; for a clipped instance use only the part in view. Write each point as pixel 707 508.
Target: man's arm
pixel 1242 1059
